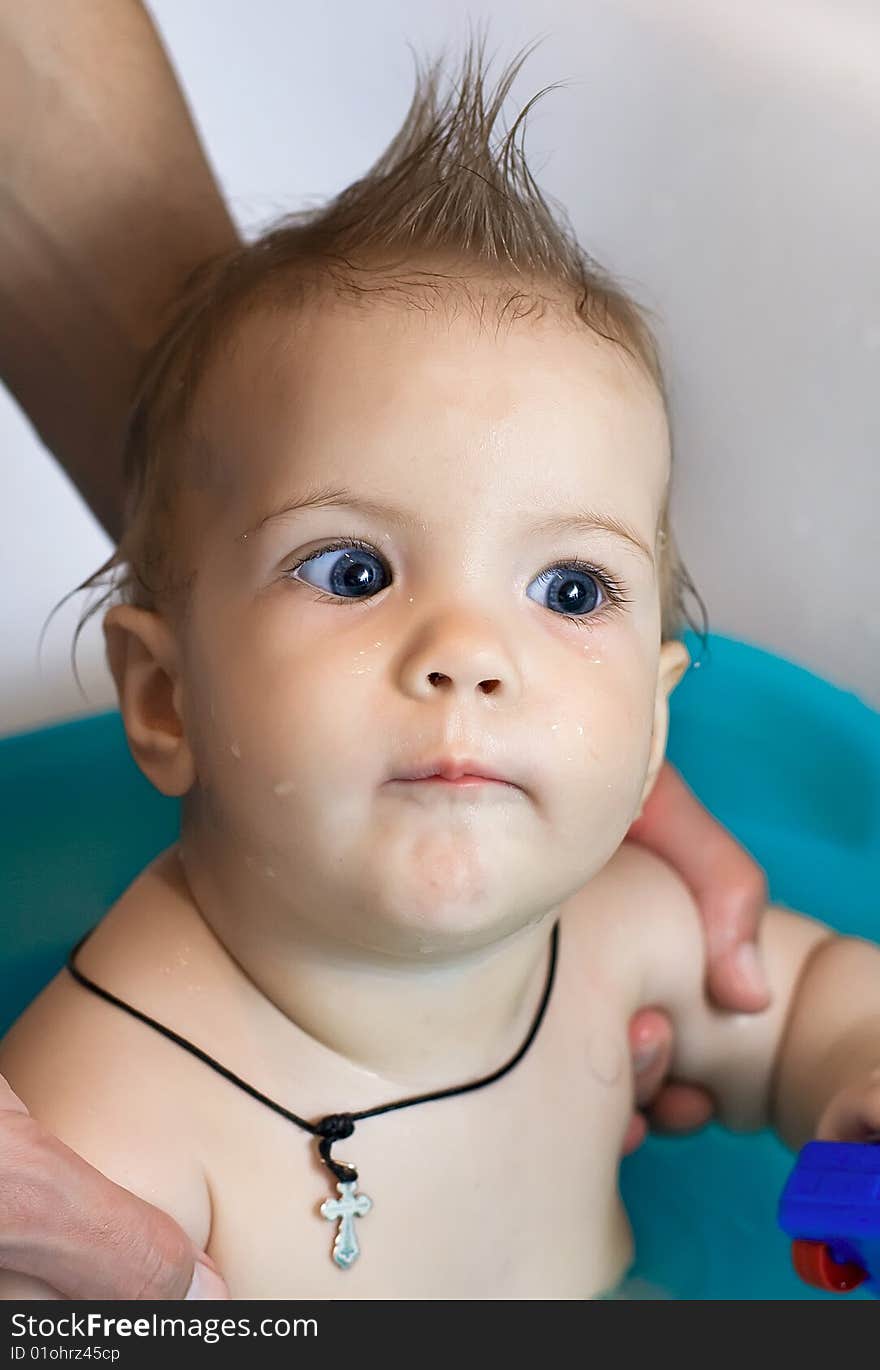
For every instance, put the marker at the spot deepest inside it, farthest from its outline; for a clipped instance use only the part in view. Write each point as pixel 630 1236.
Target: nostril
pixel 487 686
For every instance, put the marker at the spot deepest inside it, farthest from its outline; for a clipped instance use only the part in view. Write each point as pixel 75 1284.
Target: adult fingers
pixel 650 1044
pixel 681 1108
pixel 673 1106
pixel 66 1224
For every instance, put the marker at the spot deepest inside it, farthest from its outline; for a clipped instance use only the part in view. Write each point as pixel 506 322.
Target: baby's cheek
pixel 602 730
pixel 598 750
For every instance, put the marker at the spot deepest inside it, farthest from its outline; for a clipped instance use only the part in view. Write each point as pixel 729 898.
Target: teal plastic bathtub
pixel 788 762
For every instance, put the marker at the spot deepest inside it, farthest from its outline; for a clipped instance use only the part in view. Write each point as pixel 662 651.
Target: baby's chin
pixel 445 939
pixel 423 920
pixel 429 892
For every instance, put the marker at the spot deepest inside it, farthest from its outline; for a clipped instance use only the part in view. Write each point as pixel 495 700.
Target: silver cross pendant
pixel 349 1206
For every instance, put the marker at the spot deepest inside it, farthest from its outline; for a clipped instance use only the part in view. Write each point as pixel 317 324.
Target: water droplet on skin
pixel 284 787
pixel 269 871
pixel 580 730
pixel 236 751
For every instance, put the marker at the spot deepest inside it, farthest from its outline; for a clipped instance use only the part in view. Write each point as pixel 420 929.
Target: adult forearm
pixel 832 1037
pixel 106 203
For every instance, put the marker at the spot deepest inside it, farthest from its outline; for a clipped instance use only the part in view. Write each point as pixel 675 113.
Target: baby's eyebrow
pixel 587 521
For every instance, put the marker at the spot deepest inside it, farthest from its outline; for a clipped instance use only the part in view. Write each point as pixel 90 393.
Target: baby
pixel 399 625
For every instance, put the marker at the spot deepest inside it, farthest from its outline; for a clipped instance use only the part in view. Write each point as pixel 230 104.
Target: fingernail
pixel 206 1284
pixel 643 1057
pixel 749 968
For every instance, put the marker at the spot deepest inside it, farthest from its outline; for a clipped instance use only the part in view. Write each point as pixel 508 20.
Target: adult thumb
pixel 207 1282
pixel 64 1223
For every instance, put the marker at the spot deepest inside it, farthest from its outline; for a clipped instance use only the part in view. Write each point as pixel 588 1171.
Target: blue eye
pixel 573 590
pixel 574 586
pixel 355 575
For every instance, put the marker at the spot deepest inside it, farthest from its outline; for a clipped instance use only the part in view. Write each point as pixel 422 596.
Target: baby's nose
pixel 441 681
pixel 461 658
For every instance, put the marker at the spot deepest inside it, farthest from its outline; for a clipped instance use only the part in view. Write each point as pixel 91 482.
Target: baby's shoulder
pixel 99 1085
pixel 114 1092
pixel 634 917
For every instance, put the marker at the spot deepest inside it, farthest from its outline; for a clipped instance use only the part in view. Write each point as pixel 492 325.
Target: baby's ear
pixel 143 656
pixel 674 661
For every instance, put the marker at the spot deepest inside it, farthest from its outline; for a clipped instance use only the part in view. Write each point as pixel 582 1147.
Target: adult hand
pixel 63 1222
pixel 731 892
pixel 107 205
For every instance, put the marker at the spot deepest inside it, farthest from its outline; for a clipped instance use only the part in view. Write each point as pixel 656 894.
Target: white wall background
pixel 721 159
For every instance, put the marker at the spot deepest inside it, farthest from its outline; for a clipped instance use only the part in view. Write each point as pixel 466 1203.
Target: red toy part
pixel 815 1265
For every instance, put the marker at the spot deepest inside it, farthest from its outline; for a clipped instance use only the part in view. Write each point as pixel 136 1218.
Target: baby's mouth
pixel 462 780
pixel 451 770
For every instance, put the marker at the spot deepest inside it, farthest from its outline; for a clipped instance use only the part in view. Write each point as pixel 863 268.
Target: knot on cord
pixel 335 1128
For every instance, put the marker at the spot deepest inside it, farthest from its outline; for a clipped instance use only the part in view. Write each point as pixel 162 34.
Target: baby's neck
pixel 420 1022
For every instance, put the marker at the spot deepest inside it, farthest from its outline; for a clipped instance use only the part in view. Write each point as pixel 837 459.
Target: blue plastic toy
pixel 830 1207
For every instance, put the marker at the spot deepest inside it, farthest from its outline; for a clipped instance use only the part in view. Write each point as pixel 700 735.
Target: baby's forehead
pixel 386 388
pixel 356 354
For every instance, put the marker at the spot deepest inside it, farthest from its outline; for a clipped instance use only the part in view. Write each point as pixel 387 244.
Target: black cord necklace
pixel 336 1126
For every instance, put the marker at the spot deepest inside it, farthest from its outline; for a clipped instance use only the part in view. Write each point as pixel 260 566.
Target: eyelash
pixel 614 589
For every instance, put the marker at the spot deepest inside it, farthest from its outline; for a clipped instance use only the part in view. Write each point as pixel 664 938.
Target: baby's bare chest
pixel 505 1192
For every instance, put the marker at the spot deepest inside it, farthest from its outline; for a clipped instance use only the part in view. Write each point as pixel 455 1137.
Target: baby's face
pixel 315 677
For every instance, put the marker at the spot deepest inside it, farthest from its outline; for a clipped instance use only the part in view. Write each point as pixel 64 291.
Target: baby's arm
pixel 762 1068
pixel 107 1094
pixel 810 1063
pixel 827 1080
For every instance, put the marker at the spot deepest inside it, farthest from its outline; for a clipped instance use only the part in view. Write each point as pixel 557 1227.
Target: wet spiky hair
pixel 446 193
